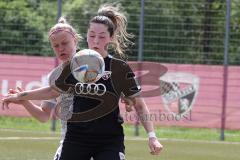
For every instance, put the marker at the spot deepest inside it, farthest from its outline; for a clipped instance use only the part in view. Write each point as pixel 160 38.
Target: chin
pixel 64 59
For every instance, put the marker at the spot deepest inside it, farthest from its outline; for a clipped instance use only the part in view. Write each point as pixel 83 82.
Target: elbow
pixel 138 108
pixel 140 103
pixel 43 119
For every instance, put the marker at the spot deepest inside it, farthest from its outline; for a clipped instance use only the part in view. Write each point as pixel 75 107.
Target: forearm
pixel 144 115
pixel 36 111
pixel 38 94
pixel 142 110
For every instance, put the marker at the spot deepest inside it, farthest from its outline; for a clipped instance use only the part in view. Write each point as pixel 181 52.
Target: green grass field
pixel 27 139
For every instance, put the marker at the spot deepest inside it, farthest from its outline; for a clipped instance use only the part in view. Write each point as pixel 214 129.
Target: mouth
pixel 95 48
pixel 63 55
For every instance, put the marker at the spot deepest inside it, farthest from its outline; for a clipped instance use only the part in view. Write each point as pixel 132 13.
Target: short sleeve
pixel 131 87
pixel 51 103
pixel 53 77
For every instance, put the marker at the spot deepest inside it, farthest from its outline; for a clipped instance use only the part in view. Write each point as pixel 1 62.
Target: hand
pixel 11 98
pixel 155 146
pixel 11 91
pixel 129 103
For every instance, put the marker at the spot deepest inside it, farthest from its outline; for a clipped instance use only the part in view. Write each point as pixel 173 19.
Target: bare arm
pixel 37 94
pixel 144 114
pixel 41 113
pixel 43 93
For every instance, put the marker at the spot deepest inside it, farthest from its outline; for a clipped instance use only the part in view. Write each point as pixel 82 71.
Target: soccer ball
pixel 87 66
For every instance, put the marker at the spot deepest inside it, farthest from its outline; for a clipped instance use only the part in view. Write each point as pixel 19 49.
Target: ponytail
pixel 116 21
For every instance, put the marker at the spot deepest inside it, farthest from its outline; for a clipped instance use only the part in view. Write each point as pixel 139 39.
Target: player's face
pixel 64 45
pixel 98 38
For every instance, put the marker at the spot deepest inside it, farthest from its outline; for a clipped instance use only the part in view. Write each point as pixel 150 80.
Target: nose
pixel 61 48
pixel 96 40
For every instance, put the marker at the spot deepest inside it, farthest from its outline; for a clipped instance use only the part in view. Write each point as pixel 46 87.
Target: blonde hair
pixel 116 21
pixel 63 25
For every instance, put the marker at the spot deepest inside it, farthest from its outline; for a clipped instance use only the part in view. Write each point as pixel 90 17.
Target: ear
pixel 75 41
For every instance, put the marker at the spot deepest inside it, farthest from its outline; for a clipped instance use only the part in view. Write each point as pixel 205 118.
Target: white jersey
pixel 62 105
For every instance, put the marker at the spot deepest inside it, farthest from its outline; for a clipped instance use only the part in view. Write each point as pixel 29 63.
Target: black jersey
pixel 98 117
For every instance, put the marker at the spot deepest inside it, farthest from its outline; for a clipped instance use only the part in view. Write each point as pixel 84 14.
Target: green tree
pixel 24 26
pixel 175 31
pixel 234 47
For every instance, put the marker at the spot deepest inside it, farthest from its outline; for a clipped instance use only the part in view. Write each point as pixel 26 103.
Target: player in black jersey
pixel 89 133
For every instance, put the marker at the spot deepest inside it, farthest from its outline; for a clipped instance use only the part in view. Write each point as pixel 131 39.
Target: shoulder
pixel 121 69
pixel 54 74
pixel 119 64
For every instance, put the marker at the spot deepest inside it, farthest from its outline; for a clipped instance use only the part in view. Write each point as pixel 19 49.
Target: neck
pixel 104 54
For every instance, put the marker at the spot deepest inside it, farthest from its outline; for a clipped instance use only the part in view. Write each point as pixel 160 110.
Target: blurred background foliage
pixel 175 31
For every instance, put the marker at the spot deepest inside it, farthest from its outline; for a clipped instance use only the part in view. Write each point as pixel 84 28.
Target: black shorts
pixel 76 151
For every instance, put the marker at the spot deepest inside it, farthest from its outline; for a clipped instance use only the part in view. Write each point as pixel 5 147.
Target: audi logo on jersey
pixel 90 88
pixel 121 79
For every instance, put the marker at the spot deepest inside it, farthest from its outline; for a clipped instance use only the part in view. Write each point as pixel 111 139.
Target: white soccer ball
pixel 87 66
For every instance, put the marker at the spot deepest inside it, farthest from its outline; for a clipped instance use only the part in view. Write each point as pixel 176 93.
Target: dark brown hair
pixel 116 22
